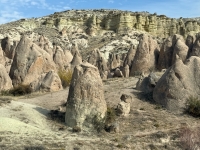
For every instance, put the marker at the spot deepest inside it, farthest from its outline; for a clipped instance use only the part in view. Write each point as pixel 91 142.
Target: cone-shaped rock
pixel 85 103
pixel 29 62
pixel 178 83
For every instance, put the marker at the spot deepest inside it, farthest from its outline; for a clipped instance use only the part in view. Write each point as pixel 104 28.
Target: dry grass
pixel 21 89
pixel 193 106
pixel 65 77
pixel 189 138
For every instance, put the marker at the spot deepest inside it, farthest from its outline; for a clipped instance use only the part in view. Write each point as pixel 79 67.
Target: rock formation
pixel 146 55
pixel 178 83
pixel 47 83
pixel 5 81
pixel 29 62
pixel 86 106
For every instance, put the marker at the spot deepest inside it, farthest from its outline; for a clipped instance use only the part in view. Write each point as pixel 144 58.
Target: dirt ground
pixel 25 123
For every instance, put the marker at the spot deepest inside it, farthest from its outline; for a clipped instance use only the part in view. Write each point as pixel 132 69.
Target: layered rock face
pixel 122 22
pixel 85 103
pixel 178 83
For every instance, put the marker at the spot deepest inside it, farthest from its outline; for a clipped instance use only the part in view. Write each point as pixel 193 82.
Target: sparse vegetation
pixel 193 106
pixel 21 89
pixel 34 148
pixel 65 77
pixel 76 129
pixel 111 115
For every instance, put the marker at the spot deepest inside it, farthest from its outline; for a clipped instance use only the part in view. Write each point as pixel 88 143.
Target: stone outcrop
pixel 173 46
pixel 47 83
pixel 86 105
pixel 98 60
pixel 5 81
pixel 178 83
pixel 146 55
pixel 196 48
pixel 147 84
pixel 29 62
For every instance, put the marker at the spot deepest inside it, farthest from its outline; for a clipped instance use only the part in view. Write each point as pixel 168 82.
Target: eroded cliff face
pixel 120 22
pixel 94 22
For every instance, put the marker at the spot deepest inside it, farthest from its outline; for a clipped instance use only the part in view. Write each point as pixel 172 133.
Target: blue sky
pixel 16 9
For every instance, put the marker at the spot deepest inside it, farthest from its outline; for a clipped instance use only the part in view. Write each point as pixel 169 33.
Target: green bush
pixel 65 77
pixel 21 89
pixel 193 106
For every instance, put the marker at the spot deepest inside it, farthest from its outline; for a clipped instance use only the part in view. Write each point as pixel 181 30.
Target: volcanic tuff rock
pixel 5 81
pixel 178 83
pixel 29 62
pixel 86 106
pixel 146 55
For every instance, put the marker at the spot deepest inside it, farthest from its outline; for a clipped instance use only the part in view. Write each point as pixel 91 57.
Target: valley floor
pixel 25 123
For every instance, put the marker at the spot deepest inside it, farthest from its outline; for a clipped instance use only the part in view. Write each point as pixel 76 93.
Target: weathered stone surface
pixel 126 71
pixel 114 61
pixel 118 73
pixel 190 40
pixel 146 55
pixel 77 59
pixel 126 98
pixel 178 83
pixel 47 82
pixel 5 81
pixel 123 108
pixel 29 62
pixel 130 56
pixel 166 53
pixel 180 49
pixel 196 48
pixel 98 60
pixel 147 84
pixel 85 103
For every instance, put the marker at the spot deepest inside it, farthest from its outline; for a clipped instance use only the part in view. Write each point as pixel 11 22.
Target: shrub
pixel 193 106
pixel 21 89
pixel 65 77
pixel 110 115
pixel 5 92
pixel 76 129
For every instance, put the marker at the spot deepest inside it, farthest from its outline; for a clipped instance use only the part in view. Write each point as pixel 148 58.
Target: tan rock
pixel 177 84
pixel 5 81
pixel 85 103
pixel 29 62
pixel 146 55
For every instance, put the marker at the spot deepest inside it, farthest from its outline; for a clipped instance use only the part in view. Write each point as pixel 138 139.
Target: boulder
pixel 123 108
pixel 86 106
pixel 147 84
pixel 118 73
pixel 5 81
pixel 126 98
pixel 178 83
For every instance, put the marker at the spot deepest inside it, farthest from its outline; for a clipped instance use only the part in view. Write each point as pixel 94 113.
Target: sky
pixel 11 10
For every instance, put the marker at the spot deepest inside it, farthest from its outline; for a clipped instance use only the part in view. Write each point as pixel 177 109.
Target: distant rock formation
pixel 86 105
pixel 146 55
